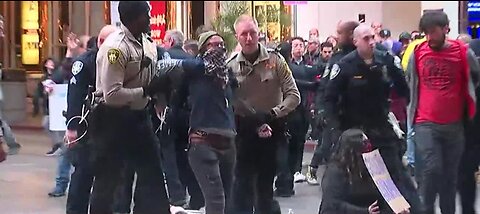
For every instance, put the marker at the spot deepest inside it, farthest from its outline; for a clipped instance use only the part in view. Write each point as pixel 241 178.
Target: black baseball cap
pixel 385 33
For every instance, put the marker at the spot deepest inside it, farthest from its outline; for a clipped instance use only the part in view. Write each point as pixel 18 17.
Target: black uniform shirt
pixel 83 75
pixel 361 92
pixel 319 102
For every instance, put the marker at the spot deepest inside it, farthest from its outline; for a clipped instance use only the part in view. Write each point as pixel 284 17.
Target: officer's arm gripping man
pixel 112 73
pixel 291 95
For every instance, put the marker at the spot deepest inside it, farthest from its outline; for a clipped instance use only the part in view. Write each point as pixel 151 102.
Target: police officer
pixel 120 127
pixel 345 44
pixel 83 79
pixel 359 86
pixel 267 93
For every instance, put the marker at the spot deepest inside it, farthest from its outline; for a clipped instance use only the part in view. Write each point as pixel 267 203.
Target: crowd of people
pixel 200 127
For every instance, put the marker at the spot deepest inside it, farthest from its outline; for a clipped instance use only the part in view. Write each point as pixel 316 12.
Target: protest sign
pixel 377 169
pixel 57 103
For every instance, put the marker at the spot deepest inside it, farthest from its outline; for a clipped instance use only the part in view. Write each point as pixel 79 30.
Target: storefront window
pixel 63 27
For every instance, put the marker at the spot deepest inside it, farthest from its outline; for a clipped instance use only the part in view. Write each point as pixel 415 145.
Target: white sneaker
pixel 177 210
pixel 312 181
pixel 299 177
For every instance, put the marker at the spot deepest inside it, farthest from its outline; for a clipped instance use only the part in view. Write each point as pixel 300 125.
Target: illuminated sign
pixel 473 10
pixel 30 38
pixel 473 6
pixel 157 21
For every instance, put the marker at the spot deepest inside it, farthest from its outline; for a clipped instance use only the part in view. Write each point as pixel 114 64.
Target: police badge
pixel 113 55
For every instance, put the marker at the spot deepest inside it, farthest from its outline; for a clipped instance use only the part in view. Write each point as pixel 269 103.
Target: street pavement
pixel 26 178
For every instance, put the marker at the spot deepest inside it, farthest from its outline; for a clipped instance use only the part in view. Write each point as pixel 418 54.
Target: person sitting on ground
pixel 347 187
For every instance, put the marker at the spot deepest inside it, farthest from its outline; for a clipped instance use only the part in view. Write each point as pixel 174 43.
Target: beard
pixel 437 45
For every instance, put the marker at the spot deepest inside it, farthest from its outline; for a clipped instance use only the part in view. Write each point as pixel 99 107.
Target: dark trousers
pixel 255 169
pixel 467 186
pixel 124 192
pixel 187 177
pixel 438 149
pixel 212 158
pixel 297 128
pixel 284 182
pixel 290 155
pixel 167 152
pixel 323 151
pixel 81 180
pixel 122 137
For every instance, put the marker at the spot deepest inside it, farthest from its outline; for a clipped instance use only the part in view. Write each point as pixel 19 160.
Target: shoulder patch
pixel 335 71
pixel 113 54
pixel 77 67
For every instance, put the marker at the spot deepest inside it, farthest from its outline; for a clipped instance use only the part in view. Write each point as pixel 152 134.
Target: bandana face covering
pixel 215 60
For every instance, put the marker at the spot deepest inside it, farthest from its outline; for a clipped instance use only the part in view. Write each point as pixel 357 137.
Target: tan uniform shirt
pixel 124 66
pixel 264 85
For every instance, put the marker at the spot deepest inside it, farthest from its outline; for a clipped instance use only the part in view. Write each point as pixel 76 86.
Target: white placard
pixel 378 170
pixel 57 103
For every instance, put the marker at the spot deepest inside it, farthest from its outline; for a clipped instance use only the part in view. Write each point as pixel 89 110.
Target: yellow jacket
pixel 409 51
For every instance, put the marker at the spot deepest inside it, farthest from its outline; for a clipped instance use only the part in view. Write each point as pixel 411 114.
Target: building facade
pixel 397 16
pixel 35 30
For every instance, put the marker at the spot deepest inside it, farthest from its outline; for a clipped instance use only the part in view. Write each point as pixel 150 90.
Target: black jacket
pixel 305 79
pixel 340 196
pixel 177 52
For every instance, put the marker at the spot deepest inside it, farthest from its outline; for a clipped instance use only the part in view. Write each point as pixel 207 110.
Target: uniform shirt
pixel 265 85
pixel 125 64
pixel 325 76
pixel 363 91
pixel 83 75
